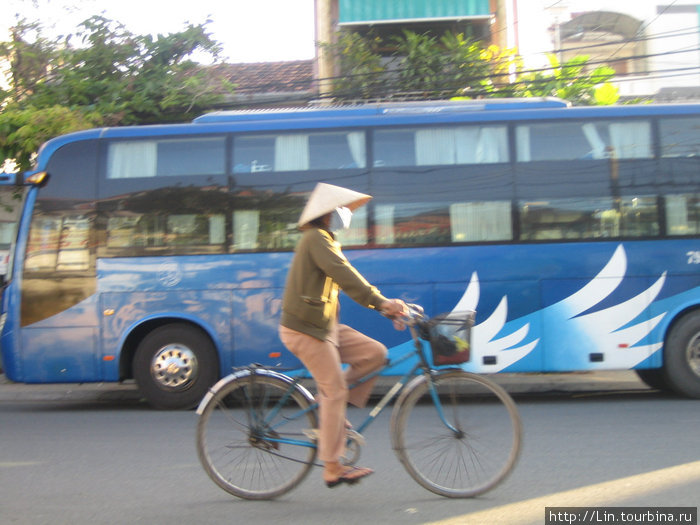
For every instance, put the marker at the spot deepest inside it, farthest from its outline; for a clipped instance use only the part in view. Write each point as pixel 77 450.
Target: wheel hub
pixel 174 367
pixel 258 440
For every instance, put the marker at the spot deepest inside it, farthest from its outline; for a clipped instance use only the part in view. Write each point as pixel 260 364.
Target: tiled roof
pixel 270 77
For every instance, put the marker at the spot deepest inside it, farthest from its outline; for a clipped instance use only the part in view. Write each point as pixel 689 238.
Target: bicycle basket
pixel 450 337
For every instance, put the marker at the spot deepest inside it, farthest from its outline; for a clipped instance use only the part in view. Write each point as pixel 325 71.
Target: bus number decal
pixel 693 257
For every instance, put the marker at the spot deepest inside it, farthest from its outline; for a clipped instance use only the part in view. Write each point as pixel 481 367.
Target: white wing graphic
pixel 609 334
pixel 571 334
pixel 602 285
pixel 484 342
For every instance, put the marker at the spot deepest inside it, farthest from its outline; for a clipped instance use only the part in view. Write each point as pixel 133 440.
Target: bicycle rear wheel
pixel 469 450
pixel 244 437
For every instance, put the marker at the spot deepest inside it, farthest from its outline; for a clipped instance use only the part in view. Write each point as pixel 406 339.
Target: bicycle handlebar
pixel 411 316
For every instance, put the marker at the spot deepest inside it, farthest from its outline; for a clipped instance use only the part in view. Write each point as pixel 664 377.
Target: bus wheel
pixel 174 366
pixel 682 357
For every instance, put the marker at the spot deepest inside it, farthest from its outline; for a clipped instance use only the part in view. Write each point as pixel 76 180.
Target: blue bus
pixel 159 253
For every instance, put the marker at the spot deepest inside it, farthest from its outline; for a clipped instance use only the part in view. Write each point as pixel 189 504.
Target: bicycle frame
pixel 272 413
pixel 397 388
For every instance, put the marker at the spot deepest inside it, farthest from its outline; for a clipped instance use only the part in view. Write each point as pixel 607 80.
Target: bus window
pixel 481 221
pixel 11 204
pixel 441 146
pixel 42 248
pixel 265 229
pixel 265 219
pixel 154 233
pixel 583 140
pixel 679 137
pixel 683 214
pixel 275 228
pixel 299 151
pixel 417 223
pixel 588 218
pixel 412 223
pixel 74 244
pixel 59 244
pixel 166 157
pixel 356 234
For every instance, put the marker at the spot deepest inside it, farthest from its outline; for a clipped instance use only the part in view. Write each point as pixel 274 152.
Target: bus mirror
pixel 38 179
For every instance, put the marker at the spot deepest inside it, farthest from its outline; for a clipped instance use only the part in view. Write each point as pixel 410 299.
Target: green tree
pixel 569 81
pixel 453 66
pixel 421 63
pixel 101 75
pixel 464 64
pixel 360 63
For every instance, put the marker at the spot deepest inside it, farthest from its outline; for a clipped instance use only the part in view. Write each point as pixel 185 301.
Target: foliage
pixel 101 75
pixel 359 59
pixel 421 62
pixel 23 130
pixel 570 82
pixel 423 66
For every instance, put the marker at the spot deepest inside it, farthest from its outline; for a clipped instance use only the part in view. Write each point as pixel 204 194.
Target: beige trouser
pixel 323 360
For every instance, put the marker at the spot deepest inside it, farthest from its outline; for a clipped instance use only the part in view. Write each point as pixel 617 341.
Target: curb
pixel 625 381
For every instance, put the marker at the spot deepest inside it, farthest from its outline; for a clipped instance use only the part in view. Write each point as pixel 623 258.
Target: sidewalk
pixel 575 382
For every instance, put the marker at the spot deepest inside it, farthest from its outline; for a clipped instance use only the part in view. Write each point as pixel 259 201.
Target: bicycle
pixel 457 434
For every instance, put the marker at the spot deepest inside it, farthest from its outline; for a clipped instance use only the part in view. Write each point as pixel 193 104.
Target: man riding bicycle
pixel 310 327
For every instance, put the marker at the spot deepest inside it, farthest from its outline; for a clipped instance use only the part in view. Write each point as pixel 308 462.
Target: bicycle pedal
pixel 311 433
pixel 356 437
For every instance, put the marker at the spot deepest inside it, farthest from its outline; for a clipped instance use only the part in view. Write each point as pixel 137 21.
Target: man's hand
pixel 395 309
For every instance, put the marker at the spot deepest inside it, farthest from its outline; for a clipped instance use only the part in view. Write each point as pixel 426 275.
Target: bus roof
pixel 397 108
pixel 389 114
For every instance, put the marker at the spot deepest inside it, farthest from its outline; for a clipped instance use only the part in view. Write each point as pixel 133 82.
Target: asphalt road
pixel 100 460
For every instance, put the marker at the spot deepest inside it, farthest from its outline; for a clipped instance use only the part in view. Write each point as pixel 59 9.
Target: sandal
pixel 351 475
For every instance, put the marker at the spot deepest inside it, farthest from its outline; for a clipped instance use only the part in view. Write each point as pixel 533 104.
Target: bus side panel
pixel 59 355
pixel 600 326
pixel 61 347
pixel 502 336
pixel 123 312
pixel 256 315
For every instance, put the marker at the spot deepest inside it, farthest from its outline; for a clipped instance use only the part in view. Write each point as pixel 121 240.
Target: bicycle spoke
pixel 464 445
pixel 240 449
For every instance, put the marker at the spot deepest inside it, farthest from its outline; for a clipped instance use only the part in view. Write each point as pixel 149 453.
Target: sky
pixel 249 30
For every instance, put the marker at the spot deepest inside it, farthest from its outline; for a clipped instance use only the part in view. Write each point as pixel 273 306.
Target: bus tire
pixel 682 356
pixel 654 378
pixel 174 365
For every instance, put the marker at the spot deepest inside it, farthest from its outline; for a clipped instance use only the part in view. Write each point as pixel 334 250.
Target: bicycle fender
pixel 282 377
pixel 245 373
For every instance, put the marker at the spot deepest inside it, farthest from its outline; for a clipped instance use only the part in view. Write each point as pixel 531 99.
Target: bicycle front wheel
pixel 251 437
pixel 457 434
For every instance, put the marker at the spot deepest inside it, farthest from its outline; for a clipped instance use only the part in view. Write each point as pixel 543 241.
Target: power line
pixel 376 76
pixel 369 76
pixel 449 91
pixel 667 34
pixel 648 24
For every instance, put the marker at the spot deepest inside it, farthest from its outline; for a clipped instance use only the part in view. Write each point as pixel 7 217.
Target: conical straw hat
pixel 325 198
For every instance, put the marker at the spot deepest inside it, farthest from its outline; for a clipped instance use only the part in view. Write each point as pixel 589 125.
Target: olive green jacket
pixel 318 270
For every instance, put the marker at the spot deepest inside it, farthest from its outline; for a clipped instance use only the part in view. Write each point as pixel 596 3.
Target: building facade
pixel 653 46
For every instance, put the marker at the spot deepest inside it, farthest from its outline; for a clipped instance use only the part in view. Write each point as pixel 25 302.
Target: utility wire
pixel 376 75
pixel 667 34
pixel 681 32
pixel 666 8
